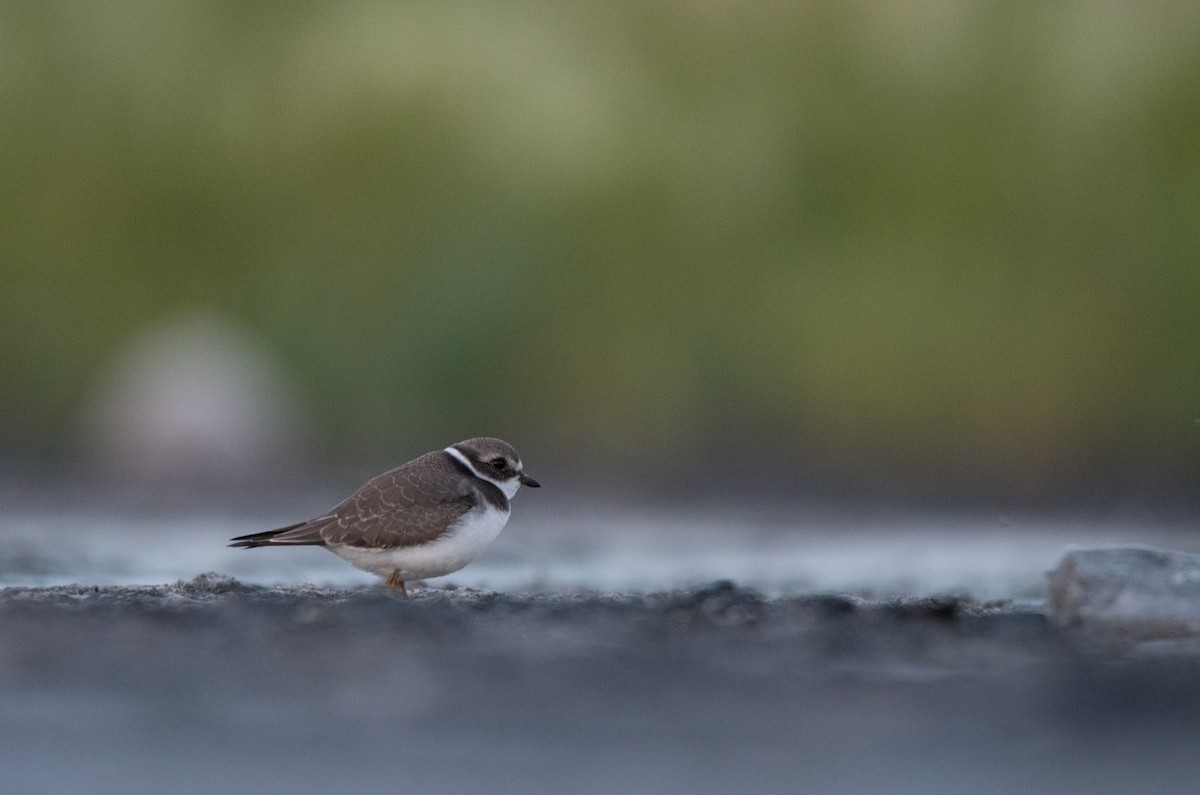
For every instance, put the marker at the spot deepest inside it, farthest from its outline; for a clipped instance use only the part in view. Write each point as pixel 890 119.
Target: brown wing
pixel 411 504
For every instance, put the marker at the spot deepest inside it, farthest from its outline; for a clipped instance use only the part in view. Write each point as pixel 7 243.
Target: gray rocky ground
pixel 212 685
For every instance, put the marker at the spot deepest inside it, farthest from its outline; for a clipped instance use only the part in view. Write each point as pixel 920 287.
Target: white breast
pixel 454 549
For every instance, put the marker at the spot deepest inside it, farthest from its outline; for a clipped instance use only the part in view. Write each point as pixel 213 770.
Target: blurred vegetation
pixel 922 242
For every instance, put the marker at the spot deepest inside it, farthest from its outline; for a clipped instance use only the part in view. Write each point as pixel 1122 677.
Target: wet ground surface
pixel 213 685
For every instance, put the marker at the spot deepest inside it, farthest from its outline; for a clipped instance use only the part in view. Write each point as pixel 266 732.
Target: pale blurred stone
pixel 1136 593
pixel 192 401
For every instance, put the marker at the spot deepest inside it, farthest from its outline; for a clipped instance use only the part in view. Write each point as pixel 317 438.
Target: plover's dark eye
pixel 499 463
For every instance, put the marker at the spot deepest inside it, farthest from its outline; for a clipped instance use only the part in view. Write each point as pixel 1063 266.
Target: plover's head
pixel 496 462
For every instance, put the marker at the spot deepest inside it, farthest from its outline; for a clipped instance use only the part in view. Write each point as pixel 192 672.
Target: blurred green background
pixel 929 248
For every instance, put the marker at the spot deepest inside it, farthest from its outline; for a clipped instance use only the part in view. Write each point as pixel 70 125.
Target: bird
pixel 426 518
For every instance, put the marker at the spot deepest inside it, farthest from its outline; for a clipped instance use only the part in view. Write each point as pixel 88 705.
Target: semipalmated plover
pixel 426 518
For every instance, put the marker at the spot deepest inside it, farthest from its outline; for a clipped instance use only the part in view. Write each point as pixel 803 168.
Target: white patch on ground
pixel 562 543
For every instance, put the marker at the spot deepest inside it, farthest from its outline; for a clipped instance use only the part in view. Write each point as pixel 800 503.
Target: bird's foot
pixel 395 584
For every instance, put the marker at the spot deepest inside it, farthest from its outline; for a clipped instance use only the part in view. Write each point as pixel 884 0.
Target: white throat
pixel 508 487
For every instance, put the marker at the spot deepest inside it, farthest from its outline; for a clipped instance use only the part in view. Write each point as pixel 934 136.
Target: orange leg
pixel 395 583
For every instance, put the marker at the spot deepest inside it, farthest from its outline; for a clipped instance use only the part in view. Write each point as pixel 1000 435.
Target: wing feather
pixel 292 535
pixel 412 504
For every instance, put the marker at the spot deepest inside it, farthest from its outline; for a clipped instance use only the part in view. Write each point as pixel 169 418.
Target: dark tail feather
pixel 297 534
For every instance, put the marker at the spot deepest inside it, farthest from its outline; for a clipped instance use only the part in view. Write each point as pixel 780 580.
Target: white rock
pixel 1136 593
pixel 194 399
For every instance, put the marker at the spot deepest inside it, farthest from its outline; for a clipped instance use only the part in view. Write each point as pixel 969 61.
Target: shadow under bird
pixel 426 518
